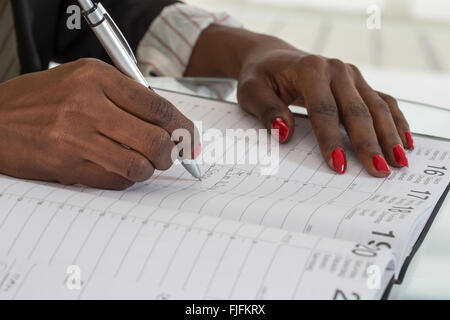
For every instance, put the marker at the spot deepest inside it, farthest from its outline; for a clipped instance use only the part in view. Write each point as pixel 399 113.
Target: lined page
pixel 124 250
pixel 304 196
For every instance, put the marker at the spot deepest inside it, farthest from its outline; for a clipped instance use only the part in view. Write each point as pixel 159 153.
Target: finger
pixel 385 128
pixel 400 121
pixel 150 141
pixel 358 122
pixel 93 175
pixel 324 116
pixel 115 158
pixel 259 99
pixel 147 105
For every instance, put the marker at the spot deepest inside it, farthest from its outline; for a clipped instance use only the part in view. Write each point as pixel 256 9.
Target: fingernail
pixel 339 161
pixel 400 155
pixel 380 164
pixel 283 129
pixel 409 139
pixel 197 151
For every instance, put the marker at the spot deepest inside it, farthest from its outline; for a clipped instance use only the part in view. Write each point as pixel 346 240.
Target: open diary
pixel 299 231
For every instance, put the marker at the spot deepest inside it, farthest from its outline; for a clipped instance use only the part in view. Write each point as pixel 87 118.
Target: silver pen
pixel 121 54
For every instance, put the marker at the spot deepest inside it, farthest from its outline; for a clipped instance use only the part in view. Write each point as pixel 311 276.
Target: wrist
pixel 223 51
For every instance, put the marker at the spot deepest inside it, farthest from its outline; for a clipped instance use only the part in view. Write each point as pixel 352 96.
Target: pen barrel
pixel 86 5
pixel 120 58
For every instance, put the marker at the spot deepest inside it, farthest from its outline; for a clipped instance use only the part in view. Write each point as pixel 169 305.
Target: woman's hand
pixel 333 92
pixel 70 125
pixel 272 75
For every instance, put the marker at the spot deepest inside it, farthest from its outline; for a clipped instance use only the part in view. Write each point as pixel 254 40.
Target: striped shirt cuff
pixel 167 46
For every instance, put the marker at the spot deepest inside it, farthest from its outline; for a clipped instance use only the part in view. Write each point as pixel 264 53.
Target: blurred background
pixel 399 34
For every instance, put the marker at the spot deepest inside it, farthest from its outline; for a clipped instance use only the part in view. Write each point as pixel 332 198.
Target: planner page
pixel 59 244
pixel 290 186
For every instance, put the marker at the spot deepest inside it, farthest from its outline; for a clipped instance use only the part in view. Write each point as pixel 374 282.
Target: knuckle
pixel 353 68
pixel 381 106
pixel 137 169
pixel 67 117
pixel 312 60
pixel 390 100
pixel 88 64
pixel 323 109
pixel 338 64
pixel 356 109
pixel 161 110
pixel 85 68
pixel 186 128
pixel 161 149
pixel 89 73
pixel 311 68
pixel 160 142
pixel 73 106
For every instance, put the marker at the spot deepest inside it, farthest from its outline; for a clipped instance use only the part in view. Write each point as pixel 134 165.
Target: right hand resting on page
pixel 69 125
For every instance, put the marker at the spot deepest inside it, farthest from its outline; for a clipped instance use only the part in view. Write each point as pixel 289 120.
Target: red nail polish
pixel 380 164
pixel 400 155
pixel 197 151
pixel 339 161
pixel 409 139
pixel 283 129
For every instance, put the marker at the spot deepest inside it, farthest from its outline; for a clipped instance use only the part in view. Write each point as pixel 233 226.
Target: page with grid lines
pixel 304 195
pixel 125 250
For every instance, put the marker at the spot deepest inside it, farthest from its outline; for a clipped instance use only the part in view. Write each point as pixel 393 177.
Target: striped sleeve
pixel 167 46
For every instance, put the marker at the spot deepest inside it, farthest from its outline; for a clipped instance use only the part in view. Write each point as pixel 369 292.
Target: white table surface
pixel 428 275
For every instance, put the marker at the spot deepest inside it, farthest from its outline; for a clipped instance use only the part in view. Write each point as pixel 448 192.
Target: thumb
pixel 260 99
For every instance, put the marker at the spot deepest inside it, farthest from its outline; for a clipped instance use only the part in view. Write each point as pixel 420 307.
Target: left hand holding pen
pixel 273 74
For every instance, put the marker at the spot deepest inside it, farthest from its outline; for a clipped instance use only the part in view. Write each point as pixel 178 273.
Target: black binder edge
pixel 422 236
pixel 388 289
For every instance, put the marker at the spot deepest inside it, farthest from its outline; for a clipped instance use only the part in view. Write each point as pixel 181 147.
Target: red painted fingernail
pixel 339 161
pixel 380 164
pixel 197 151
pixel 283 129
pixel 409 139
pixel 400 155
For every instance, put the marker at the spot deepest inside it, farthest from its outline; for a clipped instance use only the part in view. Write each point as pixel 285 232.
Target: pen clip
pixel 120 36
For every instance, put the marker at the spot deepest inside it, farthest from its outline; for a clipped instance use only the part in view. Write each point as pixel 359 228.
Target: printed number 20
pixel 340 295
